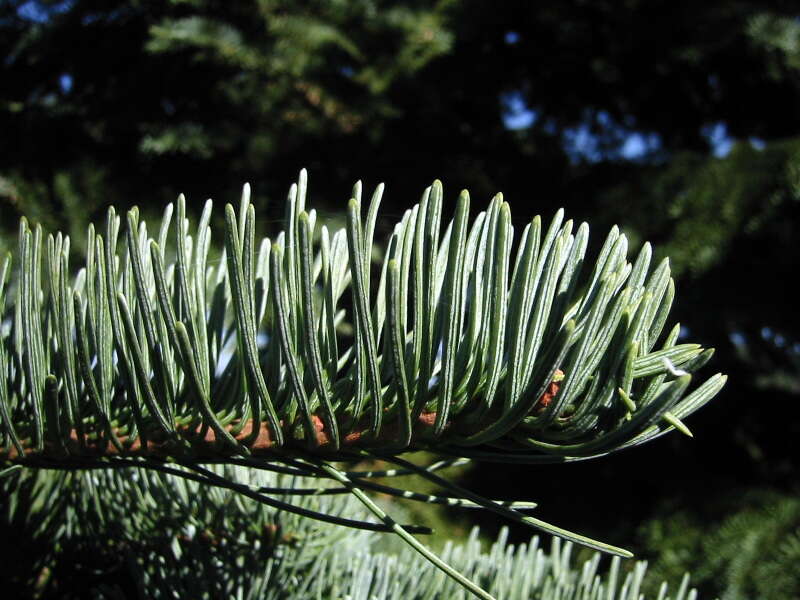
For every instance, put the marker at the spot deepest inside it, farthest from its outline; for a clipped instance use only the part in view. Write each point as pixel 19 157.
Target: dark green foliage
pixel 739 549
pixel 193 96
pixel 720 218
pixel 157 94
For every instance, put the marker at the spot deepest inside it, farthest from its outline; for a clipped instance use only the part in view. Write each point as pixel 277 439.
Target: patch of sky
pixel 41 12
pixel 770 335
pixel 65 82
pixel 89 19
pixel 718 138
pixel 229 349
pixel 737 338
pixel 581 144
pixel 638 144
pixel 516 113
pixel 601 137
pixel 262 339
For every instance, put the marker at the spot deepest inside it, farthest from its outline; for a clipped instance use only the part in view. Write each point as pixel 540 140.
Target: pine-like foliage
pixel 747 546
pixel 115 534
pixel 154 356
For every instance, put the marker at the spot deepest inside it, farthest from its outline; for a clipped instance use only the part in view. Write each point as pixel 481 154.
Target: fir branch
pixel 457 350
pixel 180 536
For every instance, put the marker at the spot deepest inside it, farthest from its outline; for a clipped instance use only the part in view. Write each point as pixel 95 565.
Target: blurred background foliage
pixel 678 120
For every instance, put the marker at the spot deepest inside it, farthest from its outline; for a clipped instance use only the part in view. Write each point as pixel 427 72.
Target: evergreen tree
pixel 675 120
pixel 747 549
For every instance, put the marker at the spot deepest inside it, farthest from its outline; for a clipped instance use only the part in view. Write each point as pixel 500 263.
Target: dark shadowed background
pixel 679 121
